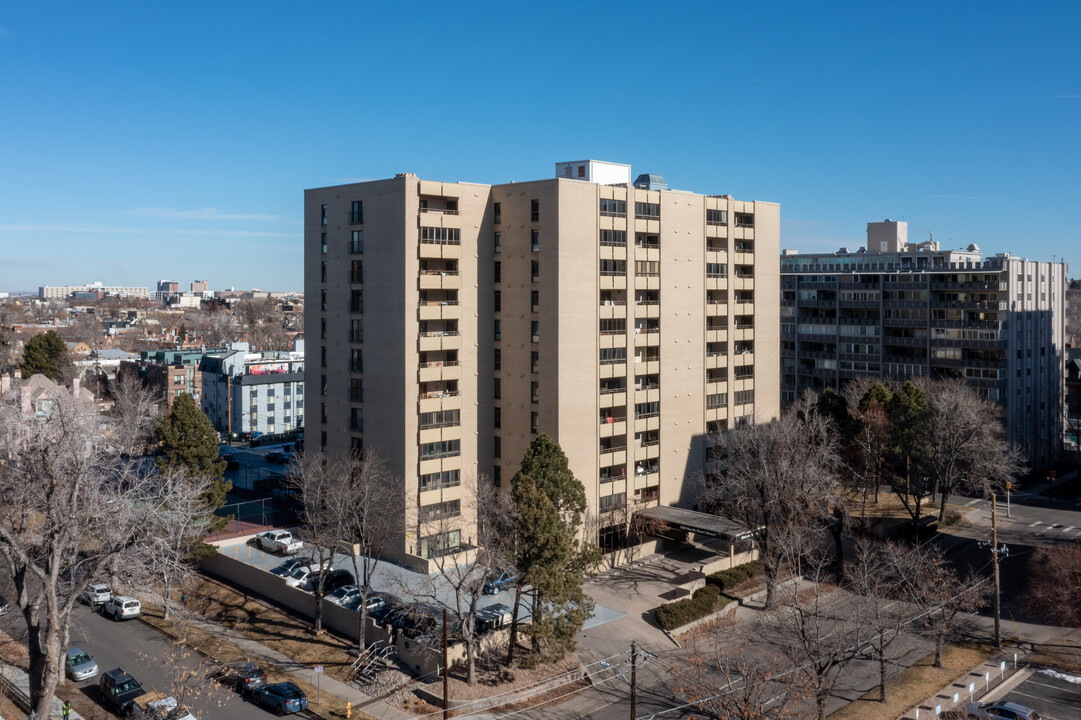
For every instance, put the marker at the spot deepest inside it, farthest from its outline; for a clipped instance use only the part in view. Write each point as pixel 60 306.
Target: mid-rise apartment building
pixel 254 392
pixel 456 321
pixel 59 292
pixel 900 310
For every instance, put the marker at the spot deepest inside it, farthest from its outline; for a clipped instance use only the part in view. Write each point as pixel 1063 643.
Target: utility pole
pixel 634 680
pixel 446 685
pixel 996 552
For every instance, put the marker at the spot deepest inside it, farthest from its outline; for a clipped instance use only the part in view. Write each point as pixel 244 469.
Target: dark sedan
pixel 245 677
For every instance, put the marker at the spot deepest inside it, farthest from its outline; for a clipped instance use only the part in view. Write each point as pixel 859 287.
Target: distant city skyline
pixel 142 141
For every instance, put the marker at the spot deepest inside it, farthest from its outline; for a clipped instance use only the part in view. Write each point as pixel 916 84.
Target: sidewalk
pixel 343 691
pixel 18 684
pixel 992 678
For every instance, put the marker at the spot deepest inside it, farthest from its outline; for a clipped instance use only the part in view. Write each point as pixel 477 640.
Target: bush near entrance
pixel 725 580
pixel 705 601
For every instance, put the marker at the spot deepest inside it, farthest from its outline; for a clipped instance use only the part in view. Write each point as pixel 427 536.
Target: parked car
pixel 96 593
pixel 334 579
pixel 287 567
pixel 119 690
pixel 343 595
pixel 374 603
pixel 244 677
pixel 300 577
pixel 1001 711
pixel 79 665
pixel 497 583
pixel 284 698
pixel 391 613
pixel 122 607
pixel 279 541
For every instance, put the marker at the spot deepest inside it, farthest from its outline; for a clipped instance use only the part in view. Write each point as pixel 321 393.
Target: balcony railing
pixel 439 363
pixel 612 391
pixel 440 241
pixel 438 211
pixel 435 394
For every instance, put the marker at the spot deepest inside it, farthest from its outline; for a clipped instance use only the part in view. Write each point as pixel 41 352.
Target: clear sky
pixel 148 140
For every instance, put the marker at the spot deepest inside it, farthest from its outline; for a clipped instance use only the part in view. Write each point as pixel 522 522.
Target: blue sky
pixel 146 140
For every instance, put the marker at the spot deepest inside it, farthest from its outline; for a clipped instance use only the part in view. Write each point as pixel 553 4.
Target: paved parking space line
pixel 1035 524
pixel 1067 529
pixel 970 503
pixel 1059 688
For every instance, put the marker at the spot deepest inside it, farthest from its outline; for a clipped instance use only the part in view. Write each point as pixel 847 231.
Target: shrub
pixel 705 601
pixel 728 579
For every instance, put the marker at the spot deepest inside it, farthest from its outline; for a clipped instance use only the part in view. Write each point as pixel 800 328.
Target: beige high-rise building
pixel 456 321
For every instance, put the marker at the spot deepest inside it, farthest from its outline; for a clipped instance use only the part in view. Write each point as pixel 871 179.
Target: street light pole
pixel 994 553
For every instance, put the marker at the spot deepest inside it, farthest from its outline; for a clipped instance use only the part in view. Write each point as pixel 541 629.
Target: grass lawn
pixel 912 686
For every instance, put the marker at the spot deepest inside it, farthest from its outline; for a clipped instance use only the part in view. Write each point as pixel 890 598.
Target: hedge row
pixel 728 579
pixel 705 601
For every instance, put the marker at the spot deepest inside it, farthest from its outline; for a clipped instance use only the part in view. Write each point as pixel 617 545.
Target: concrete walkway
pixel 343 691
pixel 18 683
pixel 991 679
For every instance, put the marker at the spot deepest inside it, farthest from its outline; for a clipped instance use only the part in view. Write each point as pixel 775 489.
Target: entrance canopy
pixel 696 522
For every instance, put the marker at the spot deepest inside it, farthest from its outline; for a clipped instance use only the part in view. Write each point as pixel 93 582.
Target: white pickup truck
pixel 279 541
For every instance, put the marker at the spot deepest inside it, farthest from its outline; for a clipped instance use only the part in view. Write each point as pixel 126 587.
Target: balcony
pixel 613 281
pixel 439 340
pixel 439 370
pixel 443 310
pixel 647 282
pixel 440 280
pixel 645 423
pixel 617 427
pixel 647 337
pixel 433 250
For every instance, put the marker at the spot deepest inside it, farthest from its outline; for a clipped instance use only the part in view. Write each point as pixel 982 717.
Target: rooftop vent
pixel 650 181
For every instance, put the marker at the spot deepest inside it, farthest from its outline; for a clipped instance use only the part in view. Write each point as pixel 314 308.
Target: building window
pixel 534 423
pixel 534 391
pixel 612 502
pixel 435 546
pixel 534 270
pixel 323 358
pixel 323 384
pixel 356 419
pixel 356 360
pixel 613 268
pixel 614 238
pixel 613 208
pixel 497 330
pixel 324 245
pixel 438 480
pixel 497 475
pixel 440 449
pixel 356 389
pixel 496 388
pixel 323 328
pixel 534 301
pixel 356 330
pixel 440 419
pixel 324 216
pixel 496 302
pixel 323 300
pixel 744 397
pixel 716 217
pixel 650 211
pixel 717 400
pixel 497 418
pixel 496 272
pixel 534 240
pixel 448 509
pixel 323 271
pixel 497 446
pixel 497 213
pixel 356 214
pixel 534 210
pixel 534 331
pixel 497 239
pixel 497 358
pixel 440 236
pixel 323 439
pixel 356 244
pixel 323 413
pixel 534 361
pixel 356 301
pixel 716 270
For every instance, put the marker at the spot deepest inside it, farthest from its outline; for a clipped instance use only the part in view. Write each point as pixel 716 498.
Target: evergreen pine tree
pixel 46 354
pixel 190 442
pixel 549 503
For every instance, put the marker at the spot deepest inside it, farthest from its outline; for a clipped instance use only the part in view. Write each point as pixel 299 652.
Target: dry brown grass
pixel 917 683
pixel 269 627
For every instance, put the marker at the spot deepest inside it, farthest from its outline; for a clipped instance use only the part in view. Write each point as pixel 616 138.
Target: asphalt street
pixel 1055 698
pixel 152 659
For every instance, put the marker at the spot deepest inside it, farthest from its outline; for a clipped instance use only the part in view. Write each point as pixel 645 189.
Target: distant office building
pixel 168 286
pixel 171 373
pixel 91 291
pixel 900 310
pixel 626 320
pixel 199 286
pixel 246 392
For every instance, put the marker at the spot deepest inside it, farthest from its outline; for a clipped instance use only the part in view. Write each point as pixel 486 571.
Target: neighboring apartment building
pixel 171 373
pixel 199 286
pixel 59 292
pixel 902 310
pixel 456 321
pixel 254 392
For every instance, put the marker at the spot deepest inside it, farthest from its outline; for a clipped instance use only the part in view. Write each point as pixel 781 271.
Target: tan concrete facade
pixel 623 322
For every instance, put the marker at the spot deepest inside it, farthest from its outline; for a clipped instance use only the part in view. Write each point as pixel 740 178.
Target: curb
pixel 1009 684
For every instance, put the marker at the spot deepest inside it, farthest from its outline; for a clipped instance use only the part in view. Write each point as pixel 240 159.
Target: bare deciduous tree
pixel 135 413
pixel 945 599
pixel 772 479
pixel 967 446
pixel 74 510
pixel 1055 585
pixel 875 576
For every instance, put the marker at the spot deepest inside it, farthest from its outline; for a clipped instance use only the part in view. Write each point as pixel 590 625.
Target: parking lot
pixel 1056 696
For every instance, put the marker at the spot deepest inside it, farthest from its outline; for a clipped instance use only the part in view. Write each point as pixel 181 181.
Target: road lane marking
pixel 1035 524
pixel 970 503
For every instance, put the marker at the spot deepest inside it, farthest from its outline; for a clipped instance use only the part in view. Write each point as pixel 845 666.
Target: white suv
pixel 96 593
pixel 122 607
